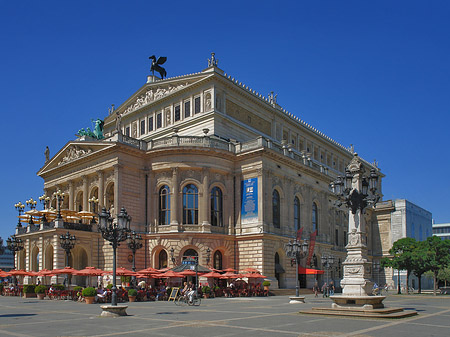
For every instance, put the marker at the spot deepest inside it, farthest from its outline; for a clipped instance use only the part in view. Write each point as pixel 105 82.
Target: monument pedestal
pixel 114 310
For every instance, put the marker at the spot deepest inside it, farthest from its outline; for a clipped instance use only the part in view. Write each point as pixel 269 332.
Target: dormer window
pixel 142 127
pixel 159 120
pixel 197 104
pixel 187 109
pixel 127 131
pixel 150 124
pixel 177 113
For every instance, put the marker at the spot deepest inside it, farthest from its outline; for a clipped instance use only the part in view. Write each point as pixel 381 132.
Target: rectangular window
pixel 337 237
pixel 142 127
pixel 159 120
pixel 127 131
pixel 345 238
pixel 197 104
pixel 177 113
pixel 187 109
pixel 150 124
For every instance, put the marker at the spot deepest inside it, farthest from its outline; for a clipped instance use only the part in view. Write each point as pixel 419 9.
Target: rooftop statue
pixel 156 65
pixel 97 133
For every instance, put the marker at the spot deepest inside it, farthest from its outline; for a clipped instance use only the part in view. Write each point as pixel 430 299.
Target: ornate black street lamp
pixel 208 256
pixel 296 250
pixel 14 244
pixel 32 204
pixel 45 203
pixel 93 202
pixel 114 232
pixel 172 256
pixel 59 200
pixel 354 198
pixel 20 208
pixel 327 263
pixel 67 243
pixel 134 242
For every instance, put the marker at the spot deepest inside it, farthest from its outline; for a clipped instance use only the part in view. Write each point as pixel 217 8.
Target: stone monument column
pixel 356 280
pixel 174 200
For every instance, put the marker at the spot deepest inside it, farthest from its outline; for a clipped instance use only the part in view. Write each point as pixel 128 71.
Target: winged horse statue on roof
pixel 156 65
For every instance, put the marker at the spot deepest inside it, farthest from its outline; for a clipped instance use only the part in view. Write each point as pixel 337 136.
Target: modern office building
pixel 442 230
pixel 206 167
pixel 397 219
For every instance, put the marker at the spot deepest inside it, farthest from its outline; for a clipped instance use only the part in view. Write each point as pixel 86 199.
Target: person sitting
pixel 190 291
pixel 375 289
pixel 161 292
pixel 101 295
pixel 185 289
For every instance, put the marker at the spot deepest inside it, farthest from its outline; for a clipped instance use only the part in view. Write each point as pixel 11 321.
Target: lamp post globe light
pixel 357 191
pixel 327 263
pixel 20 208
pixel 59 199
pixel 14 244
pixel 296 250
pixel 67 242
pixel 134 242
pixel 114 232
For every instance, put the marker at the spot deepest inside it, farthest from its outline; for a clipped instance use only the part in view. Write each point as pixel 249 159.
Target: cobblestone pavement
pixel 268 316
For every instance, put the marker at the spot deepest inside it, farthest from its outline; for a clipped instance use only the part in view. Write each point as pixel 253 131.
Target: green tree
pixel 420 265
pixel 444 275
pixel 437 256
pixel 402 252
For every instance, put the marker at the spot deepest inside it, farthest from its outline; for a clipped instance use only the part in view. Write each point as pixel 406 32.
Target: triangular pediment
pixel 72 152
pixel 155 91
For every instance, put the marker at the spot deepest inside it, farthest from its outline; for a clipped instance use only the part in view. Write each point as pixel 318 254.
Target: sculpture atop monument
pixel 156 65
pixel 47 154
pixel 97 133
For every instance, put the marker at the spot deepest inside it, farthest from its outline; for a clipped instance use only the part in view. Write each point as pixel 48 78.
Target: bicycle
pixel 184 300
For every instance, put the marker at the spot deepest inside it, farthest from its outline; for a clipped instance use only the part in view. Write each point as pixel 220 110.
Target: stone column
pixel 101 190
pixel 85 193
pixel 356 266
pixel 71 195
pixel 174 200
pixel 205 198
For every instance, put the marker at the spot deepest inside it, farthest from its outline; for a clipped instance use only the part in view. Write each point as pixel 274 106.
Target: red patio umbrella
pixel 188 272
pixel 89 271
pixel 230 275
pixel 149 271
pixel 20 272
pixel 229 270
pixel 169 274
pixel 212 274
pixel 163 270
pixel 3 273
pixel 65 270
pixel 253 275
pixel 121 272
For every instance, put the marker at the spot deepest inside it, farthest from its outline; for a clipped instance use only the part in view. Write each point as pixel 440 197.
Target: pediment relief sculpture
pixel 152 95
pixel 74 152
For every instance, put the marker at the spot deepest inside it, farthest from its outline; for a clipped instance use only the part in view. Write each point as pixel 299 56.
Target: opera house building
pixel 206 167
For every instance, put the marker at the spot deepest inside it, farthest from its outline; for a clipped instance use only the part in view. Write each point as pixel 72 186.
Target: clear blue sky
pixel 375 74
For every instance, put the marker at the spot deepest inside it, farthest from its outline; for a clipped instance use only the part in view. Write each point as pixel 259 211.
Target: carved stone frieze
pixel 74 152
pixel 163 175
pixel 152 95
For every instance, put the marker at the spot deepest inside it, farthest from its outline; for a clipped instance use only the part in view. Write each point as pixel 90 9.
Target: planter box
pixel 29 295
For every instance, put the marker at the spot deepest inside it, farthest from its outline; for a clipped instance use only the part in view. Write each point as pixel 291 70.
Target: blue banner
pixel 249 205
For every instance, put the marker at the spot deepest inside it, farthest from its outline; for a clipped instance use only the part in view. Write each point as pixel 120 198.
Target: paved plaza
pixel 258 316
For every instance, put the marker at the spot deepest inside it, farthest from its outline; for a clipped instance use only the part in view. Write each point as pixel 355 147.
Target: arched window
pixel 162 259
pixel 315 218
pixel 276 208
pixel 296 213
pixel 164 205
pixel 217 260
pixel 190 253
pixel 190 205
pixel 216 207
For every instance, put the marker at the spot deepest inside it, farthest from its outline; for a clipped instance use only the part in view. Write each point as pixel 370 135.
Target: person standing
pixel 324 290
pixel 331 288
pixel 316 289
